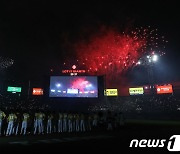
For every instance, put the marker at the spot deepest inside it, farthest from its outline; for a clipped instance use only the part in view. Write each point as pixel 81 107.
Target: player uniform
pixel 11 118
pixel 90 122
pixel 60 123
pixel 16 124
pixel 77 122
pixel 40 122
pixel 2 116
pixel 24 123
pixel 36 122
pixel 82 125
pixel 64 122
pixel 55 122
pixel 70 127
pixel 49 124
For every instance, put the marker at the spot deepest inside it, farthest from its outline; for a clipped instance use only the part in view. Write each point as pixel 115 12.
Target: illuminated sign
pixel 37 91
pixel 136 91
pixel 111 92
pixel 73 71
pixel 166 89
pixel 14 89
pixel 74 67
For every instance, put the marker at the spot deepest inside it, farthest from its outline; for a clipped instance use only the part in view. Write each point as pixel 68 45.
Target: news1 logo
pixel 172 145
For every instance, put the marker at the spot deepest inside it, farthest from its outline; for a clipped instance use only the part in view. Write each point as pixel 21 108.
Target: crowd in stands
pixel 163 106
pixel 33 116
pixel 7 103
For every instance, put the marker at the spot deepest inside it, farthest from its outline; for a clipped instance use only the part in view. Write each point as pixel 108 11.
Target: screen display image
pixel 166 89
pixel 14 89
pixel 136 91
pixel 73 86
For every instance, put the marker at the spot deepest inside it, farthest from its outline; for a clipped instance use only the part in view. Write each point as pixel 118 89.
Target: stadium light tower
pixel 150 67
pixel 148 61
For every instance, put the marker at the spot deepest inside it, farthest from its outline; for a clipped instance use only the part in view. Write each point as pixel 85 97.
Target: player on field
pixel 70 127
pixel 77 122
pixel 11 118
pixel 65 122
pixel 2 116
pixel 60 123
pixel 49 124
pixel 82 124
pixel 41 117
pixel 24 123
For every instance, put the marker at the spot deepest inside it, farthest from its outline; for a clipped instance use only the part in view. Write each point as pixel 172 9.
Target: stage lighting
pixel 52 90
pixel 148 56
pixel 154 58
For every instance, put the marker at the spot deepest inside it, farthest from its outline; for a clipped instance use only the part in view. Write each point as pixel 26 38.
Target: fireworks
pixel 80 84
pixel 6 62
pixel 112 53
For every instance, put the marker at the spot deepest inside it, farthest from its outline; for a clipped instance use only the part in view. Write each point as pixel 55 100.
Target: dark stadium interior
pixel 90 76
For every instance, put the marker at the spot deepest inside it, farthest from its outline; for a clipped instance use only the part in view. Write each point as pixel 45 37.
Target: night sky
pixel 38 36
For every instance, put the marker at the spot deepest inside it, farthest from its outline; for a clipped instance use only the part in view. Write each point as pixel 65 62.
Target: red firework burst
pixel 115 52
pixel 79 83
pixel 111 53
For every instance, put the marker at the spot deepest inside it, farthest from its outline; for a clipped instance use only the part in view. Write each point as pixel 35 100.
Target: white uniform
pixel 24 123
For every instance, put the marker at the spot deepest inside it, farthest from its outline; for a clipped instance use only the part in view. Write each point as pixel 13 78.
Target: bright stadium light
pixel 139 62
pixel 58 85
pixel 154 58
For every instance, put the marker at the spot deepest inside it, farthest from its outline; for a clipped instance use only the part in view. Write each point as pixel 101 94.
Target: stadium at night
pixel 93 75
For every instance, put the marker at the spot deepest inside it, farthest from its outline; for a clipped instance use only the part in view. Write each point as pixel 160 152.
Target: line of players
pixel 16 123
